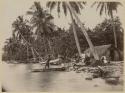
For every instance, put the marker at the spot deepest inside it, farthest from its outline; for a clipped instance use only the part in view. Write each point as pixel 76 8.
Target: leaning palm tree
pixel 109 8
pixel 73 8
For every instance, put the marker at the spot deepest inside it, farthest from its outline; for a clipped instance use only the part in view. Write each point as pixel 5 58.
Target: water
pixel 18 77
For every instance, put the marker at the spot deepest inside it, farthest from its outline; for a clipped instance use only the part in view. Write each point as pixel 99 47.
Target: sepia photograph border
pixel 2 6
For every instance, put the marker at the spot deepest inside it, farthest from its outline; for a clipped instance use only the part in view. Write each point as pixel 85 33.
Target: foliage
pixel 51 39
pixel 107 7
pixel 105 32
pixel 77 6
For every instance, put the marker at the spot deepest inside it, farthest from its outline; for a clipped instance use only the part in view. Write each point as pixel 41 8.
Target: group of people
pixel 89 60
pixel 84 58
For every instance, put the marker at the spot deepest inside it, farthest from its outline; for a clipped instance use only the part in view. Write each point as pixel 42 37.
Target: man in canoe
pixel 48 62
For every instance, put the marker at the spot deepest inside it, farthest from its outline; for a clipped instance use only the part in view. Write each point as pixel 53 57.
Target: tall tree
pixel 73 8
pixel 109 8
pixel 22 31
pixel 41 21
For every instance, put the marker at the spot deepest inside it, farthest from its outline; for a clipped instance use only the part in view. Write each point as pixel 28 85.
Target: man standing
pixel 83 57
pixel 47 62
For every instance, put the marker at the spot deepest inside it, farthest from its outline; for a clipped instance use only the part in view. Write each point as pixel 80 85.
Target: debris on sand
pixel 112 80
pixel 88 78
pixel 112 73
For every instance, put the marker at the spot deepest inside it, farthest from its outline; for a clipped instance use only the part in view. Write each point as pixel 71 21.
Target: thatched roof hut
pixel 105 50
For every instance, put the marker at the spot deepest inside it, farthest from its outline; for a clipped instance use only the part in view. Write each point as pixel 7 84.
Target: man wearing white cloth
pixel 83 57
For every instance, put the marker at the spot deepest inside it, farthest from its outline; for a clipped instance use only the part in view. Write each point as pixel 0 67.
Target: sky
pixel 11 9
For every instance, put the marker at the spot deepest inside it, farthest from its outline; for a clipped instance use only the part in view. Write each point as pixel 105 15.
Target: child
pixel 104 60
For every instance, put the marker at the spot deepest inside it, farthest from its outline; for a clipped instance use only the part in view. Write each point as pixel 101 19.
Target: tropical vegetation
pixel 36 38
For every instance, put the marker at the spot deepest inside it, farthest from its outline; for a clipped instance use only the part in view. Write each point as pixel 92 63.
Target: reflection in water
pixel 18 77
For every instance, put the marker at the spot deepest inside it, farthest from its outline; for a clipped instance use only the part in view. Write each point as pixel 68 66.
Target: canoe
pixel 51 61
pixel 50 69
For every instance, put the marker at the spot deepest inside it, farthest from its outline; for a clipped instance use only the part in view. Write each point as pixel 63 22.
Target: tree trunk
pixel 86 35
pixel 27 53
pixel 45 47
pixel 75 34
pixel 33 53
pixel 114 32
pixel 50 47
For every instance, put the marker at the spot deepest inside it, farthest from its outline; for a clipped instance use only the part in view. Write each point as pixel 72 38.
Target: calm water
pixel 18 77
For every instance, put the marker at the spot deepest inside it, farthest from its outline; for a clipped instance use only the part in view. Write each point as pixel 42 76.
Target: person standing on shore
pixel 48 62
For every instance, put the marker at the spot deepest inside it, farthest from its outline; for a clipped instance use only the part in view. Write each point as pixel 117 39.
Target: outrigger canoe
pixel 50 69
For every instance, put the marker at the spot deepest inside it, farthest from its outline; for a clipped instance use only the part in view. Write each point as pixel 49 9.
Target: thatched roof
pixel 101 50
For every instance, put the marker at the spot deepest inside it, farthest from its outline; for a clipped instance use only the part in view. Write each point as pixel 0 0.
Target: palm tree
pixel 109 8
pixel 73 8
pixel 8 49
pixel 22 31
pixel 12 49
pixel 41 22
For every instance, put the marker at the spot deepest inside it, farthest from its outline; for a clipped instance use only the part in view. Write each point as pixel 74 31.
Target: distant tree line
pixel 62 41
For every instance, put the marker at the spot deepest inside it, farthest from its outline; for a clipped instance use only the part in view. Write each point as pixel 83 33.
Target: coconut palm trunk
pixel 33 54
pixel 85 33
pixel 114 31
pixel 109 8
pixel 45 46
pixel 27 53
pixel 50 47
pixel 75 34
pixel 74 7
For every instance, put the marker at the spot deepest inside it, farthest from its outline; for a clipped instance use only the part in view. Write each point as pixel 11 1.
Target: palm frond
pixel 48 19
pixel 102 8
pixel 30 13
pixel 80 5
pixel 93 4
pixel 58 8
pixel 99 4
pixel 83 2
pixel 20 18
pixel 48 4
pixel 64 8
pixel 75 7
pixel 38 6
pixel 107 7
pixel 51 5
pixel 105 10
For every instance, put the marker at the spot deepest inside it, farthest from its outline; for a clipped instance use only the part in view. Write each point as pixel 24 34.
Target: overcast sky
pixel 11 9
